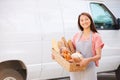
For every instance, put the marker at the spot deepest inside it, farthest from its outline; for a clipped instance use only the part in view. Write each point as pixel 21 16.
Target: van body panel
pixel 113 6
pixel 27 28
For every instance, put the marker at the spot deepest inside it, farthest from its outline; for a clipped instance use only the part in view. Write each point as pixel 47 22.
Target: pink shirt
pixel 96 42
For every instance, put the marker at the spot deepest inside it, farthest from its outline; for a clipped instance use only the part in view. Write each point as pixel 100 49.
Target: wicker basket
pixel 71 67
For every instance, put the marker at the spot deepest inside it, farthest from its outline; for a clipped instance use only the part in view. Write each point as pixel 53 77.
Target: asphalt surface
pixel 101 76
pixel 107 76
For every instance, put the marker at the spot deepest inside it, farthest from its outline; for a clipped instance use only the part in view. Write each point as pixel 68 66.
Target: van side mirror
pixel 118 21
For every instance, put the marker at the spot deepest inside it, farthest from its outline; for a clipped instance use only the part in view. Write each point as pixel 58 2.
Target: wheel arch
pixel 15 64
pixel 117 72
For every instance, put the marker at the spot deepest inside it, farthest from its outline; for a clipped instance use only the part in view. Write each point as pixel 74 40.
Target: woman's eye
pixel 81 20
pixel 86 19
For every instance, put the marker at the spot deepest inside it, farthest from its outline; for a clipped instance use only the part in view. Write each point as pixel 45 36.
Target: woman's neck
pixel 85 34
pixel 86 31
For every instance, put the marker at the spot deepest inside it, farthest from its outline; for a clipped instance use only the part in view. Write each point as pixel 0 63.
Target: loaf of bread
pixel 60 44
pixel 71 47
pixel 77 56
pixel 55 46
pixel 65 42
pixel 65 53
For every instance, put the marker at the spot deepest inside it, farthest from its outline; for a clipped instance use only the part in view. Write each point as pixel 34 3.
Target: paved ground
pixel 106 76
pixel 101 76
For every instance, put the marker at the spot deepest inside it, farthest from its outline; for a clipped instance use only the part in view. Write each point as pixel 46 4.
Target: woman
pixel 88 42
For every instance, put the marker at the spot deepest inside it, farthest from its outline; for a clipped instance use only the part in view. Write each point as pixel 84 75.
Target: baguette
pixel 54 45
pixel 60 44
pixel 65 42
pixel 71 47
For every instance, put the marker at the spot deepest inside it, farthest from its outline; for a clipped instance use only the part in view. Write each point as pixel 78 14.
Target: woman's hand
pixel 84 62
pixel 77 60
pixel 52 55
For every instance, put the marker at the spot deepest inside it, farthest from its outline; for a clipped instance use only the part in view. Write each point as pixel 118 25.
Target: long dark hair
pixel 92 25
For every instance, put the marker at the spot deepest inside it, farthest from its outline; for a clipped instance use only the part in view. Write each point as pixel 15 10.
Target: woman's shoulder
pixel 96 35
pixel 97 40
pixel 77 34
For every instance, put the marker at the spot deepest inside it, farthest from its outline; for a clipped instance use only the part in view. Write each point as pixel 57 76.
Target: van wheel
pixel 117 72
pixel 10 74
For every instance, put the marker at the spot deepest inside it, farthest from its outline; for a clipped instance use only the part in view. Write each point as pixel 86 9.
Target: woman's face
pixel 85 21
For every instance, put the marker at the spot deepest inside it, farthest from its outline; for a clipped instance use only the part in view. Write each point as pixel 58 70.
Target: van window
pixel 102 17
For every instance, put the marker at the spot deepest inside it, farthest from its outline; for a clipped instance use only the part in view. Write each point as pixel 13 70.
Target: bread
pixel 77 57
pixel 55 45
pixel 60 44
pixel 71 47
pixel 65 53
pixel 65 42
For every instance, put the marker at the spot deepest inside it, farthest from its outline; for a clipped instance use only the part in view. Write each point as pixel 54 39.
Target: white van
pixel 28 26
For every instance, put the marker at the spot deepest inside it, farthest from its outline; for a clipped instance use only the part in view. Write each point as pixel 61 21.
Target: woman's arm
pixel 97 46
pixel 97 56
pixel 86 61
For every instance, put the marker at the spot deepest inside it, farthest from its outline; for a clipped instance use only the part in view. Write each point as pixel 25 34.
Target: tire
pixel 117 72
pixel 10 74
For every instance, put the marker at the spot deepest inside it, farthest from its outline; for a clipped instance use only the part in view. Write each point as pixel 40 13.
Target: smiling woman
pixel 90 48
